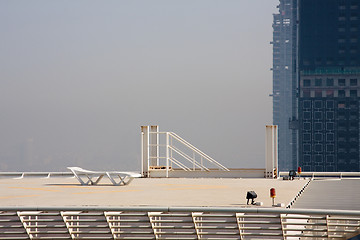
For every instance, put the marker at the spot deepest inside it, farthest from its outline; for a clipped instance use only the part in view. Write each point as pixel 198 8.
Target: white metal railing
pixel 166 150
pixel 324 174
pixel 176 223
pixel 20 175
pixel 202 155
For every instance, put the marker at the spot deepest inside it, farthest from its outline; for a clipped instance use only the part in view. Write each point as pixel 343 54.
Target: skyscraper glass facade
pixel 327 93
pixel 284 82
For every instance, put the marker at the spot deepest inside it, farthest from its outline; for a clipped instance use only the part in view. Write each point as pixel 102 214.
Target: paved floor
pixel 144 192
pixel 341 194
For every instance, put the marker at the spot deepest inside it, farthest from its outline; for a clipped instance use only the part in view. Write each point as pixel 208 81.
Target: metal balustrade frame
pixel 324 174
pixel 19 175
pixel 163 150
pixel 176 223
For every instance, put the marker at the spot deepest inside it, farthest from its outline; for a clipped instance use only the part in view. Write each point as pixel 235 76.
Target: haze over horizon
pixel 79 78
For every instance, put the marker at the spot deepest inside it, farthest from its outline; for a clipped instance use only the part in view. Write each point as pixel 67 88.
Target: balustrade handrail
pixel 324 174
pixel 207 157
pixel 188 158
pixel 84 222
pixel 185 209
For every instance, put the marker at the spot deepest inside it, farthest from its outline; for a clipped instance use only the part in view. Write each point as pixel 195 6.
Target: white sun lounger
pixel 124 177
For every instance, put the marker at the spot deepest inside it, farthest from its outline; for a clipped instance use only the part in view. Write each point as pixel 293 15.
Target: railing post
pixel 282 225
pixel 145 151
pixel 36 224
pixel 154 145
pixel 197 225
pixel 327 226
pixel 271 145
pixel 240 225
pixel 167 153
pixel 171 152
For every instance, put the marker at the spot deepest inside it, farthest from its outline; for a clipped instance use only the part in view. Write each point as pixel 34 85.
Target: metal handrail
pixel 185 156
pixel 85 222
pixel 183 209
pixel 207 157
pixel 324 174
pixel 178 163
pixel 35 174
pixel 170 149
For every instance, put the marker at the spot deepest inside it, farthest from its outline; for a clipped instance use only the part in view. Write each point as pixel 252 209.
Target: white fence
pixel 176 223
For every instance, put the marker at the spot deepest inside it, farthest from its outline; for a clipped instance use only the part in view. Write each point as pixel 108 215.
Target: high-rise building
pixel 284 82
pixel 327 93
pixel 329 80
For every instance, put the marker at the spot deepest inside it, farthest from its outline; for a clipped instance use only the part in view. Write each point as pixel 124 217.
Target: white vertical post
pixel 271 158
pixel 154 145
pixel 276 150
pixel 145 151
pixel 171 152
pixel 167 154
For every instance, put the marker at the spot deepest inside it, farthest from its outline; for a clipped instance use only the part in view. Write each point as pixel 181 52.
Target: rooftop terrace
pixel 66 191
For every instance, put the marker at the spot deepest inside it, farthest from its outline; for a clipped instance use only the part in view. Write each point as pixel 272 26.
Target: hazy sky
pixel 79 78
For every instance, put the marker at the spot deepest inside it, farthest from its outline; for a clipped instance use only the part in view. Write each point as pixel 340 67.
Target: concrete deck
pixel 66 191
pixel 341 194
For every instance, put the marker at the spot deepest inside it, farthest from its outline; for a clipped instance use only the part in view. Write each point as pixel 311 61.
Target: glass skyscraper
pixel 284 82
pixel 326 96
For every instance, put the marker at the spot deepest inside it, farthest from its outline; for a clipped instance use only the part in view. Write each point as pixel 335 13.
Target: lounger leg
pixel 114 181
pixel 90 177
pixel 78 178
pixel 89 180
pixel 94 177
pixel 80 174
pixel 129 181
pixel 98 180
